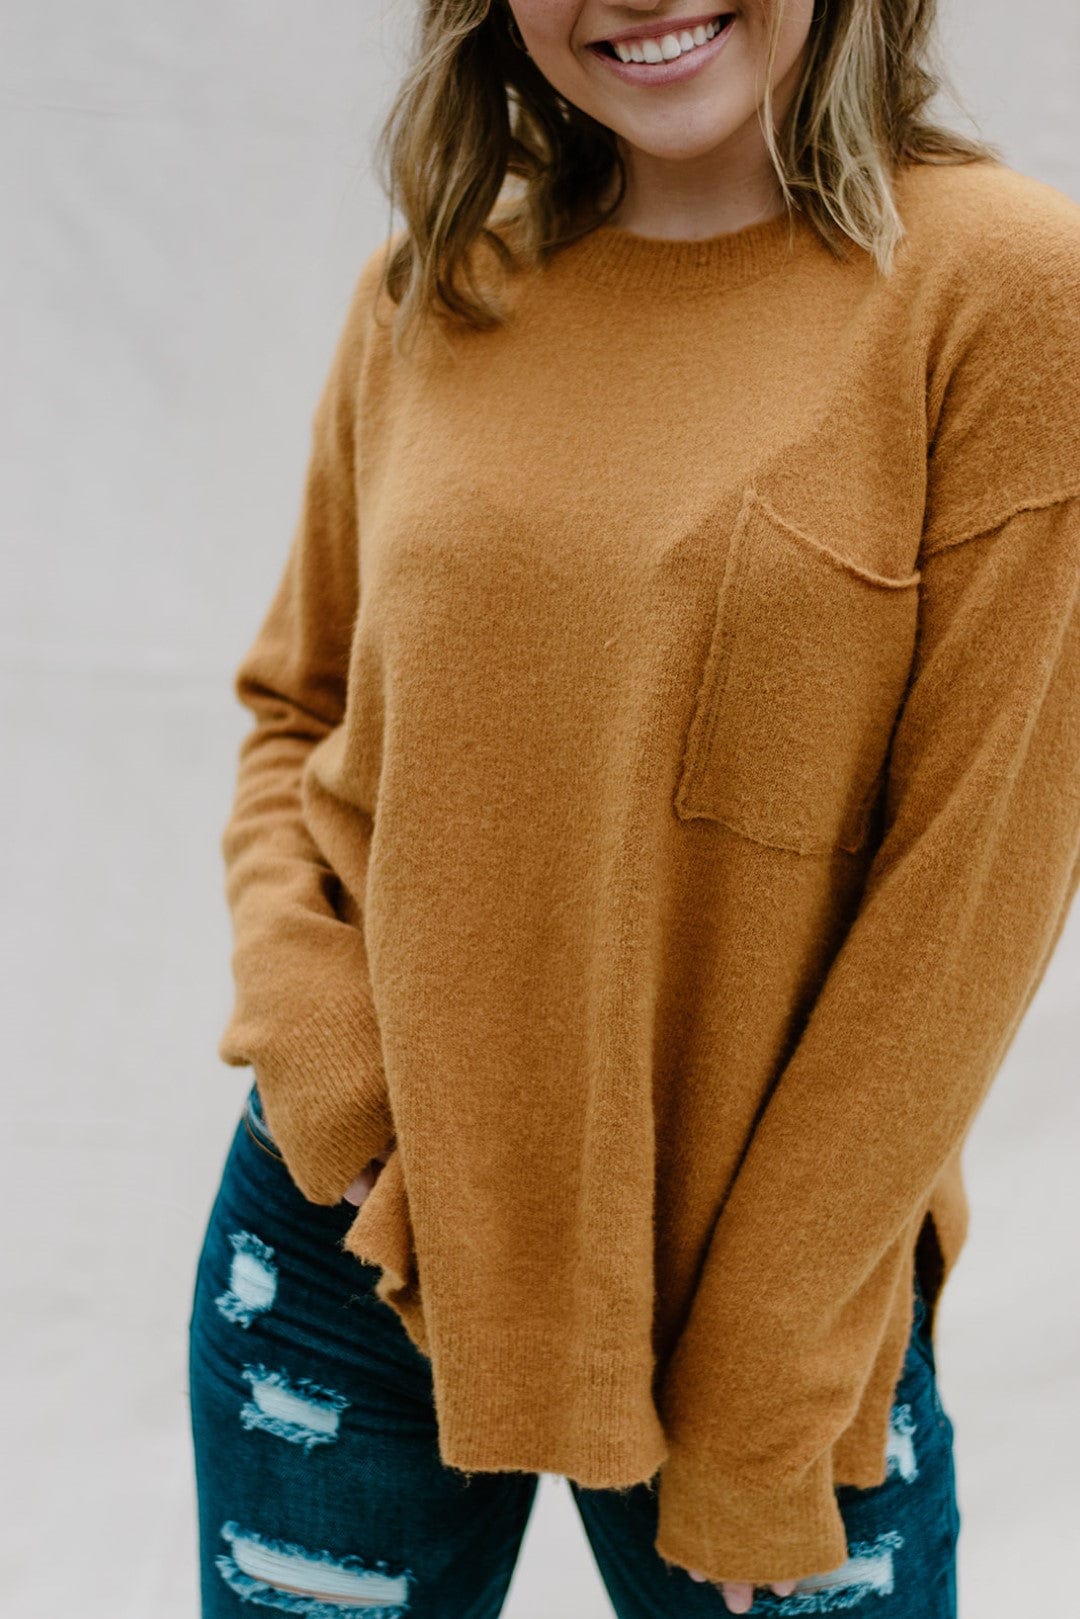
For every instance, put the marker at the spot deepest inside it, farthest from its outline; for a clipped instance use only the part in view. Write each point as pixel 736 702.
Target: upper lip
pixel 657 30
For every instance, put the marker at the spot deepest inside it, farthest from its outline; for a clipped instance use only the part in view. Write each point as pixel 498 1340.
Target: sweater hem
pixel 528 1399
pixel 519 1399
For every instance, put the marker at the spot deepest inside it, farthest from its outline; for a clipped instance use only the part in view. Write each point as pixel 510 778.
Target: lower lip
pixel 681 67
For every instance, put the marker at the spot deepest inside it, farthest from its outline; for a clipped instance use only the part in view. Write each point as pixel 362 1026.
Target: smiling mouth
pixel 665 47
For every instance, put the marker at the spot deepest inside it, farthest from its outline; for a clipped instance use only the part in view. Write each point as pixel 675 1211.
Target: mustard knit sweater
pixel 662 805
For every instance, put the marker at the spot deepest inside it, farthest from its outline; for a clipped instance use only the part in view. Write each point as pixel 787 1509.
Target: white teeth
pixel 669 46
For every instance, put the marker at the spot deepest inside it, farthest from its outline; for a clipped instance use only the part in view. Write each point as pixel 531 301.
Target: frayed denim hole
pixel 253 1280
pixel 869 1572
pixel 280 1574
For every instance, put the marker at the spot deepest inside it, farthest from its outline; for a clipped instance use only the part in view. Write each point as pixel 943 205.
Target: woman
pixel 663 803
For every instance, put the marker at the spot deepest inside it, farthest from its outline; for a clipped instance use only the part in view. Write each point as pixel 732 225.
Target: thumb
pixel 358 1189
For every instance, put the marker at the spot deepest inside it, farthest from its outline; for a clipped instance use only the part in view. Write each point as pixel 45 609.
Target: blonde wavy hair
pixel 474 114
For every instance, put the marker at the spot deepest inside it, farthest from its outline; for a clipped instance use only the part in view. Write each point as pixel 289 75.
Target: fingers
pixel 739 1596
pixel 357 1190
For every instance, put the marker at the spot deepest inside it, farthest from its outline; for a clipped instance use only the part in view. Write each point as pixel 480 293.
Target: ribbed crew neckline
pixel 620 259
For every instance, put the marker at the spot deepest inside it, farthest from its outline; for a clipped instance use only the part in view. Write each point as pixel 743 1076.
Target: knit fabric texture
pixel 662 805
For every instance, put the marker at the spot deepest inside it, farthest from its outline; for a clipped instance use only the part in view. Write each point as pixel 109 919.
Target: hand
pixel 357 1190
pixel 739 1596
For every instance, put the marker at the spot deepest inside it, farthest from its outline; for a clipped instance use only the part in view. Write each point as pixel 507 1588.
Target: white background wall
pixel 186 200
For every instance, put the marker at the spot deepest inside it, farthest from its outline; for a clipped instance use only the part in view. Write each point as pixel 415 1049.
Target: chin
pixel 670 149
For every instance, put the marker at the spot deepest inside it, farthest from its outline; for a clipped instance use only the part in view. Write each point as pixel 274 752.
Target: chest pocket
pixel 806 668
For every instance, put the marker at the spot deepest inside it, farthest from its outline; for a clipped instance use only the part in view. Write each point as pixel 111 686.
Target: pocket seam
pixel 711 691
pixel 846 564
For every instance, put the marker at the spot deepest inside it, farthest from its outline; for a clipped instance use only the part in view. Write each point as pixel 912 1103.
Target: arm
pixel 303 1014
pixel 964 901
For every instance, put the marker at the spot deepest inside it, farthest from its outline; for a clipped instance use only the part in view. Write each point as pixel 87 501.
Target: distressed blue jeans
pixel 320 1487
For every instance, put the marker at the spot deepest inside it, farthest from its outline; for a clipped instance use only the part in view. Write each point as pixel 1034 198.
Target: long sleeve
pixel 966 897
pixel 303 1015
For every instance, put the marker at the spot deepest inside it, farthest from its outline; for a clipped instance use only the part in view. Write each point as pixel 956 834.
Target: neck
pixel 695 197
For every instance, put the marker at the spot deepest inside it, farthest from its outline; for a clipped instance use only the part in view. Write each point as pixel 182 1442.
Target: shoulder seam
pixel 1033 503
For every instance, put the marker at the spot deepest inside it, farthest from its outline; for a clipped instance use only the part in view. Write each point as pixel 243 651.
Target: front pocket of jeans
pixel 807 665
pixel 257 1126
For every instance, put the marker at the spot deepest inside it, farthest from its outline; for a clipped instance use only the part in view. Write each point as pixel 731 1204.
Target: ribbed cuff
pixel 323 1090
pixel 736 1531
